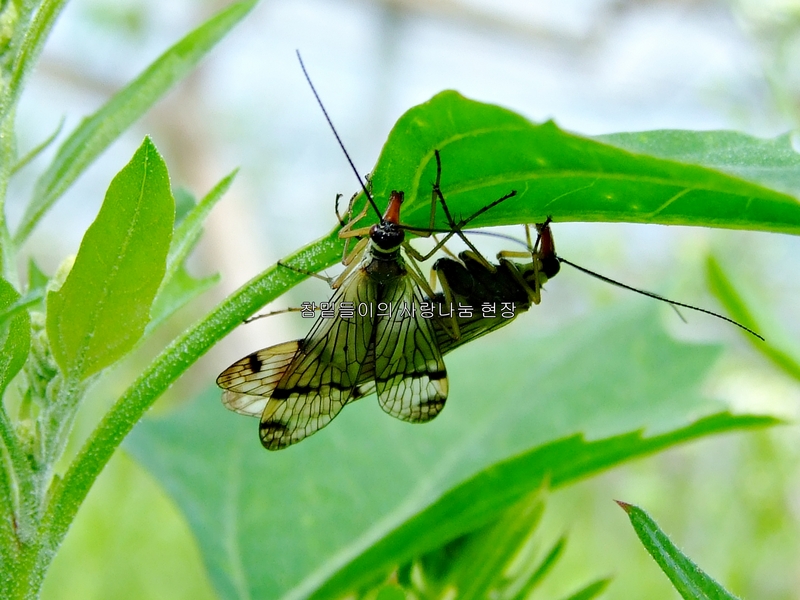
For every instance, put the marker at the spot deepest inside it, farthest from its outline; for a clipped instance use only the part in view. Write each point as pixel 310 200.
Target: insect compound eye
pixel 387 236
pixel 550 265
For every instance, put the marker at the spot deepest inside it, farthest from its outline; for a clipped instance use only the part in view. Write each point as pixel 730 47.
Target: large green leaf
pixel 489 493
pixel 272 524
pixel 487 151
pixel 96 132
pixel 101 310
pixel 770 162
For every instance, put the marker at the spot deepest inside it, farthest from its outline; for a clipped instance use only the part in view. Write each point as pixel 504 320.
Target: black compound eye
pixel 550 265
pixel 387 236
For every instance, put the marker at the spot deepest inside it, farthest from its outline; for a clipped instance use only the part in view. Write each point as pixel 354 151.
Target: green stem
pixel 67 496
pixel 19 470
pixel 29 50
pixel 7 254
pixel 8 541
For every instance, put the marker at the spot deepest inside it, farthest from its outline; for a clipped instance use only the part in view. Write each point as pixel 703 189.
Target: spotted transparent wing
pixel 410 376
pixel 325 372
pixel 249 382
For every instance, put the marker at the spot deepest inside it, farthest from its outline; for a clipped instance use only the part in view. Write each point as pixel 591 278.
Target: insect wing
pixel 410 376
pixel 249 382
pixel 325 371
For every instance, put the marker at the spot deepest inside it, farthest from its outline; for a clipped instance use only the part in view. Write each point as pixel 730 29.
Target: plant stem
pixel 66 496
pixel 7 254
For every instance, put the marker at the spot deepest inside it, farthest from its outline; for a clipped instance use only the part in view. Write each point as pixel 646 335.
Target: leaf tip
pixel 624 506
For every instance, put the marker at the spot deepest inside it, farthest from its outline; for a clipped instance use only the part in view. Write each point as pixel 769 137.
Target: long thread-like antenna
pixel 338 139
pixel 657 297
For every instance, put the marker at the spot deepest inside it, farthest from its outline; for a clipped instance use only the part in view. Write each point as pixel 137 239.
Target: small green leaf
pixel 15 336
pixel 539 571
pixel 691 582
pixel 184 203
pixel 37 280
pixel 37 150
pixel 101 310
pixel 590 591
pixel 735 305
pixel 477 564
pixel 487 151
pixel 191 226
pixel 178 288
pixel 181 289
pixel 96 132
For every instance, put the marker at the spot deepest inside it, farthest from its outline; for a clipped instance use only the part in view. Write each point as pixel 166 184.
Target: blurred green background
pixel 595 66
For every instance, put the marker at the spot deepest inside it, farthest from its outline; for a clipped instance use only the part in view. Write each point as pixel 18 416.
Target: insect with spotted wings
pixel 298 387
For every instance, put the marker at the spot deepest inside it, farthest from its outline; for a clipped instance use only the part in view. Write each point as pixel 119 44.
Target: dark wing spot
pixel 254 362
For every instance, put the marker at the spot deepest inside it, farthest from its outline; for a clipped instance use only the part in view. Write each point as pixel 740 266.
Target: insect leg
pixel 447 291
pixel 328 280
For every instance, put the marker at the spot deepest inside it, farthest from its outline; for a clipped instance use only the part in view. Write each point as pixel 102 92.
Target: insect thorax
pixel 384 266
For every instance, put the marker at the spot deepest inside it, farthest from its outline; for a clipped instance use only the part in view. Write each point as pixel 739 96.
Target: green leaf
pixel 590 591
pixel 37 150
pixel 772 162
pixel 181 289
pixel 539 571
pixel 488 493
pixel 101 310
pixel 275 524
pixel 34 35
pixel 188 232
pixel 487 151
pixel 15 336
pixel 690 580
pixel 96 132
pixel 178 288
pixel 477 564
pixel 37 280
pixel 735 305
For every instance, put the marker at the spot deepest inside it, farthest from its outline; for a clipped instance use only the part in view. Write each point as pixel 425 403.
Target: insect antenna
pixel 338 139
pixel 673 303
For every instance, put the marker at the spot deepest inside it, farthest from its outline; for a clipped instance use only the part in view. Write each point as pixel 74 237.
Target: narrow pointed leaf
pixel 101 310
pixel 478 570
pixel 28 47
pixel 96 132
pixel 691 582
pixel 191 226
pixel 590 591
pixel 37 280
pixel 735 305
pixel 181 289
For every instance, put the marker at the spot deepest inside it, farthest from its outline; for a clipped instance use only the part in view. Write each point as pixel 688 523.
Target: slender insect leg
pixel 543 258
pixel 416 274
pixel 272 313
pixel 339 218
pixel 456 227
pixel 328 280
pixel 534 293
pixel 455 332
pixel 350 262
